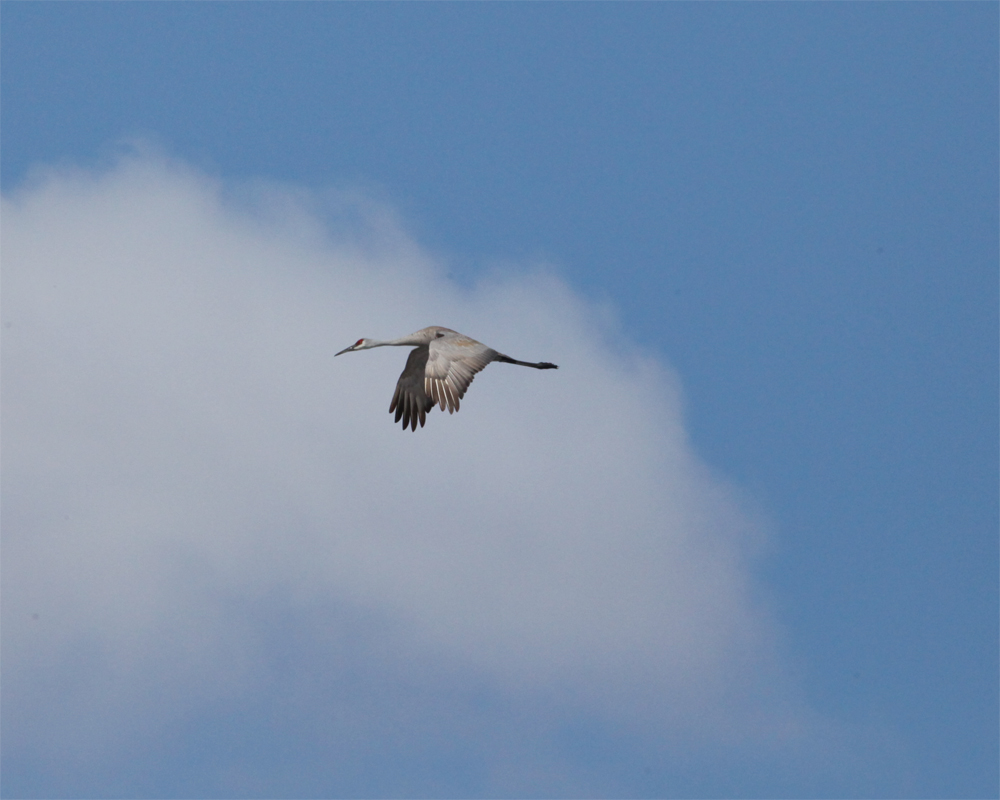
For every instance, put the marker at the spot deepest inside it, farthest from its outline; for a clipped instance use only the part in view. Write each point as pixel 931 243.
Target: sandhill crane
pixel 439 370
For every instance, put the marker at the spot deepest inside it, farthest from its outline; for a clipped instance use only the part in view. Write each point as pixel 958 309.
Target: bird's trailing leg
pixel 539 365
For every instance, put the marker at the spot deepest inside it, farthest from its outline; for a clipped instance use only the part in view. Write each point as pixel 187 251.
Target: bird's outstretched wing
pixel 410 402
pixel 453 361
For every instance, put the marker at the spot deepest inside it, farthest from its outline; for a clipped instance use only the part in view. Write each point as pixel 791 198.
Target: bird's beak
pixel 345 350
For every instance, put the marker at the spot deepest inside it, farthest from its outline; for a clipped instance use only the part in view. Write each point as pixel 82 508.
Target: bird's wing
pixel 452 363
pixel 410 402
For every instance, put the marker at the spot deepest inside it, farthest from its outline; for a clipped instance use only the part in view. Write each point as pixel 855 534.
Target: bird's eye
pixel 439 334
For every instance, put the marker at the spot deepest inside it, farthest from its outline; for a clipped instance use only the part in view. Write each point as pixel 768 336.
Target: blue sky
pixel 743 543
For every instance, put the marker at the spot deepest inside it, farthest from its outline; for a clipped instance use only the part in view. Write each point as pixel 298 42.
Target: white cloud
pixel 188 475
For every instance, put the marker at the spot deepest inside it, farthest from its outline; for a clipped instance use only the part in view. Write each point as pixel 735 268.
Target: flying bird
pixel 438 371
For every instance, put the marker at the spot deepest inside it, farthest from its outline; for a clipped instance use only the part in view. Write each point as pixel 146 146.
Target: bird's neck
pixel 401 342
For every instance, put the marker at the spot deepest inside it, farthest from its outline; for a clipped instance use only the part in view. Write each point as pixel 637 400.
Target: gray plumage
pixel 438 371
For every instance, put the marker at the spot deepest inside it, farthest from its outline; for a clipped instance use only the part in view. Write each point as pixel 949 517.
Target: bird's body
pixel 438 371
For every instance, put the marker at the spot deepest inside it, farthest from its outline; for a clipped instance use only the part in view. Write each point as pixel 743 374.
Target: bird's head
pixel 360 344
